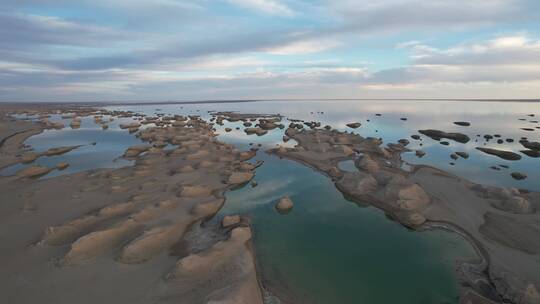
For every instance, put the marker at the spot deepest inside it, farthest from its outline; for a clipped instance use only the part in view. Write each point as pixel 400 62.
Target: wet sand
pixel 13 133
pixel 107 235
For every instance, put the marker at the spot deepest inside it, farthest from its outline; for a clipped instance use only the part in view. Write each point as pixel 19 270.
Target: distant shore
pixel 188 102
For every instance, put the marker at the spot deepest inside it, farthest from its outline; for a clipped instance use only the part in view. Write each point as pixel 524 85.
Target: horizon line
pixel 125 102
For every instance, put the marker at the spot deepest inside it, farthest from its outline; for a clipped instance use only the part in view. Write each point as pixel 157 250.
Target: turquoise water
pixel 330 250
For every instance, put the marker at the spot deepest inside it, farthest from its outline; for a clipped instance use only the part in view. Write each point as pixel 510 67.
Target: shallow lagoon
pixel 330 250
pixel 486 117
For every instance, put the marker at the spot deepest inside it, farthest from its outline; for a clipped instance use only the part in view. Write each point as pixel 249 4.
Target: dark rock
pixel 531 153
pixel 415 136
pixel 462 123
pixel 403 141
pixel 354 125
pixel 438 135
pixel 508 155
pixel 532 145
pixel 463 155
pixel 518 175
pixel 313 124
pixel 396 147
pixel 267 125
pixel 257 131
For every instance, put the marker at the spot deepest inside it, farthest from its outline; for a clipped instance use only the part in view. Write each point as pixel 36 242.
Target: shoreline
pixel 419 197
pixel 12 141
pixel 217 101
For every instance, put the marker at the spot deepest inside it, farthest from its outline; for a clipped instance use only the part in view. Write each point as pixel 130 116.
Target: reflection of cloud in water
pixel 265 192
pixel 270 140
pixel 485 117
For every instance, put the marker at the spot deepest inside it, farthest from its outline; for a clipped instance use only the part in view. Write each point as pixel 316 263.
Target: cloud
pixel 304 47
pixel 18 31
pixel 507 50
pixel 503 59
pixel 176 49
pixel 405 15
pixel 214 63
pixel 267 6
pixel 193 49
pixel 143 10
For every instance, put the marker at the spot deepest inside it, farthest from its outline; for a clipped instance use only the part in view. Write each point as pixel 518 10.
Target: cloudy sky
pixel 156 50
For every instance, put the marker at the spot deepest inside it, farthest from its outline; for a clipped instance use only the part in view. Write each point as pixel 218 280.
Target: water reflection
pixel 99 148
pixel 328 250
pixel 501 118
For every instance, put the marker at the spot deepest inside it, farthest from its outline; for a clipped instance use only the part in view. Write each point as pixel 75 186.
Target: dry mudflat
pixel 118 236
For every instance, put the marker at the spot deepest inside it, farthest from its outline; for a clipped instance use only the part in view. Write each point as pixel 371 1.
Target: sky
pixel 175 50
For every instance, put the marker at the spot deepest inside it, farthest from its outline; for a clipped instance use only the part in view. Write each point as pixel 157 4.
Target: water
pixel 99 148
pixel 485 118
pixel 330 250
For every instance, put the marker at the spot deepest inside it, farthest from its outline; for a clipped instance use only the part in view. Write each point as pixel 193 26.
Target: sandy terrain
pixel 109 236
